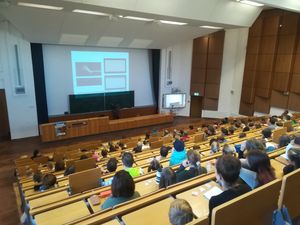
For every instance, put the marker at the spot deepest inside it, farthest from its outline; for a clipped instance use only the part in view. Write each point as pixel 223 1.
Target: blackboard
pixel 83 103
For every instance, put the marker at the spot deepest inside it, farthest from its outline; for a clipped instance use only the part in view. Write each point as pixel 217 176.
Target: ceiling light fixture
pixel 40 6
pixel 172 22
pixel 138 18
pixel 212 27
pixel 250 3
pixel 90 12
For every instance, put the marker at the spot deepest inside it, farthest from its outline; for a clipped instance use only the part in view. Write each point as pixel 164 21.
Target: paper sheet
pixel 212 192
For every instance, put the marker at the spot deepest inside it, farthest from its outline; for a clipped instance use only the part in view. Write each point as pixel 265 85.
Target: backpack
pixel 281 217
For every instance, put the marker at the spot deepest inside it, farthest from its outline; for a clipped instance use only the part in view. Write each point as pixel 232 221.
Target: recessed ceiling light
pixel 212 27
pixel 250 3
pixel 138 18
pixel 40 6
pixel 172 22
pixel 90 12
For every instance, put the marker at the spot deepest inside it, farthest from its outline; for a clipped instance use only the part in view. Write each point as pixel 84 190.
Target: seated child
pixel 227 174
pixel 167 178
pixel 127 160
pixel 123 190
pixel 155 166
pixel 191 167
pixel 48 181
pixel 180 212
pixel 178 154
pixel 111 166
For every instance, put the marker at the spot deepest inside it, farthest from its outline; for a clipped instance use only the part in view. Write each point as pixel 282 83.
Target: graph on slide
pixel 97 72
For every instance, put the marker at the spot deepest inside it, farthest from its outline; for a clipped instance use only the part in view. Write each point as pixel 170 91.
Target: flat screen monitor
pixel 174 101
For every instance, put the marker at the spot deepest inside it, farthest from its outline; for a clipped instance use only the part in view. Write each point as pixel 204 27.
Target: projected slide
pixel 98 72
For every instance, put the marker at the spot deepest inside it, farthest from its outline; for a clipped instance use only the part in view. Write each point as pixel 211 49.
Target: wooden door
pixel 4 124
pixel 196 106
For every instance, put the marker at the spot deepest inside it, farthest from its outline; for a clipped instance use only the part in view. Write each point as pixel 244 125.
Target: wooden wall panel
pixel 200 88
pixel 265 63
pixel 295 83
pixel 200 45
pixel 206 68
pixel 216 43
pixel 268 45
pixel 286 44
pixel 249 78
pixel 246 109
pixel 256 29
pixel 198 75
pixel 248 95
pixel 294 102
pixel 272 66
pixel 262 105
pixel 253 45
pixel 214 61
pixel 213 76
pixel 270 25
pixel 289 23
pixel 263 84
pixel 210 104
pixel 279 100
pixel 280 81
pixel 296 65
pixel 283 63
pixel 212 90
pixel 199 60
pixel 251 61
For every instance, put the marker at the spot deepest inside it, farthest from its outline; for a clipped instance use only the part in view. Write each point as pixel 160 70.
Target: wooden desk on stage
pixel 98 125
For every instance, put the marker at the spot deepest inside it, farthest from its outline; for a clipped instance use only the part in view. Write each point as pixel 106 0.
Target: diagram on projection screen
pixel 100 72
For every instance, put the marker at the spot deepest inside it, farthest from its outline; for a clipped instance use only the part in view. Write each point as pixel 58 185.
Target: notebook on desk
pixel 212 192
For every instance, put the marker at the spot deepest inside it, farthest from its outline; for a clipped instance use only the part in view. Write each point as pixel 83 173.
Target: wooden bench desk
pixel 113 222
pixel 156 213
pixel 282 160
pixel 63 214
pixel 199 202
pixel 48 199
pixel 96 208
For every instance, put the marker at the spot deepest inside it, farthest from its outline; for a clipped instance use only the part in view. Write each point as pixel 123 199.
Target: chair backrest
pixel 131 144
pixel 41 159
pixel 153 139
pixel 58 156
pixel 288 125
pixel 255 207
pixel 27 170
pixel 199 137
pixel 156 144
pixel 85 180
pixel 84 164
pixel 289 195
pixel 278 133
pixel 70 162
pixel 69 154
pixel 167 139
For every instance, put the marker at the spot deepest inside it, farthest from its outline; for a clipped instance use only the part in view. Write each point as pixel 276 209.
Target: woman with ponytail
pixel 191 167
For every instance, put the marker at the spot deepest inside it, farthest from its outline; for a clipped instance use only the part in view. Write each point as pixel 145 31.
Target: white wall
pixel 58 75
pixel 22 108
pixel 181 74
pixel 234 55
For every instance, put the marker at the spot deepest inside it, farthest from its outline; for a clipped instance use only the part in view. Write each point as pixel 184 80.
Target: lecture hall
pixel 142 112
